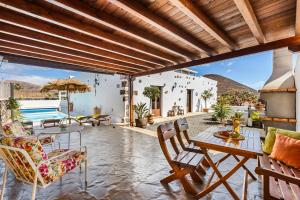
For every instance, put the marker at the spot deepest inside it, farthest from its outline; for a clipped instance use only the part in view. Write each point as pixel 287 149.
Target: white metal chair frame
pixel 12 163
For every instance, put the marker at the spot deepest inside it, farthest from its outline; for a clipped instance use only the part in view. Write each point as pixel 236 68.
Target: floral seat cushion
pixel 51 170
pixel 16 129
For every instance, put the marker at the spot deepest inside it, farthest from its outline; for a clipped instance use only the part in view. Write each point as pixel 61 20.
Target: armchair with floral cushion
pixel 26 158
pixel 16 129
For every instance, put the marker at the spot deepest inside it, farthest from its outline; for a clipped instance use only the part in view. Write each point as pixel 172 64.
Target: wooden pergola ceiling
pixel 143 36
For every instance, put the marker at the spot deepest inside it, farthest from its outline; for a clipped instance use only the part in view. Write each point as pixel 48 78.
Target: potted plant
pixel 236 121
pixel 206 95
pixel 256 121
pixel 152 93
pixel 14 106
pixel 221 110
pixel 141 111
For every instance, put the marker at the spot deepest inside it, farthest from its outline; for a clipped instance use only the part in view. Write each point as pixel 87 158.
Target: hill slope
pixel 226 84
pixel 26 87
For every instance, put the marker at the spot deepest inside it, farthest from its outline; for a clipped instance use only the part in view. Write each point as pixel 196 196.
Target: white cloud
pixel 229 63
pixel 257 85
pixel 228 70
pixel 39 80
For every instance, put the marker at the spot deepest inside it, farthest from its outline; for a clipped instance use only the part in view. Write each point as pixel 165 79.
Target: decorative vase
pixel 236 125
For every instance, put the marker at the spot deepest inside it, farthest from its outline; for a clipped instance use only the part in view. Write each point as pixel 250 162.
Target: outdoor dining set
pixel 279 170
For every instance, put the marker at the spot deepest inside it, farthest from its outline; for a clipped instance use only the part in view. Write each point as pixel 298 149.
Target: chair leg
pixel 201 170
pixel 196 177
pixel 188 187
pixel 169 179
pixel 34 187
pixel 4 181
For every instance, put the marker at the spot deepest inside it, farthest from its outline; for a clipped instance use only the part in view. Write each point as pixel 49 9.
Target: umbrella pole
pixel 68 99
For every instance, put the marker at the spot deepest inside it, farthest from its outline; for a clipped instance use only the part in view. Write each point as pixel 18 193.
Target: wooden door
pixel 189 101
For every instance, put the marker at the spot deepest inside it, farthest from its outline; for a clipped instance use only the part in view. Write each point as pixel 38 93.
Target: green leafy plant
pixel 237 115
pixel 13 105
pixel 239 97
pixel 141 110
pixel 255 116
pixel 152 93
pixel 221 110
pixel 206 95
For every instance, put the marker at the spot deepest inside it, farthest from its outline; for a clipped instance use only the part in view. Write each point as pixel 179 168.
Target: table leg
pixel 222 179
pixel 245 168
pixel 69 140
pixel 245 186
pixel 80 138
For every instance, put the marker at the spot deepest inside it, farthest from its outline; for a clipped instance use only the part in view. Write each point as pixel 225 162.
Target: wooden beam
pixel 20 59
pixel 86 11
pixel 40 45
pixel 66 56
pixel 292 41
pixel 56 56
pixel 30 28
pixel 200 18
pixel 297 25
pixel 295 48
pixel 135 8
pixel 38 12
pixel 247 12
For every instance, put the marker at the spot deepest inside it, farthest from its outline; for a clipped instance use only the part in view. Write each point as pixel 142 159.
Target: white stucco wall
pixel 178 95
pixel 297 81
pixel 105 95
pixel 109 99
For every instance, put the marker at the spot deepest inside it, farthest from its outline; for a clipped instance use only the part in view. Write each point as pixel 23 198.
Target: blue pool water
pixel 41 114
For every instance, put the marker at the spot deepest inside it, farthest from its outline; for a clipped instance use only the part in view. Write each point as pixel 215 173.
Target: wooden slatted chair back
pixel 181 126
pixel 166 132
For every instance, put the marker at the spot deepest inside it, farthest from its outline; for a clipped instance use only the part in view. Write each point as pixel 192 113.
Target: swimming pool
pixel 40 114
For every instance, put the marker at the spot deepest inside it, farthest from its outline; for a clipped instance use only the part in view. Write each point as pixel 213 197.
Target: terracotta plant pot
pixel 205 110
pixel 141 123
pixel 150 119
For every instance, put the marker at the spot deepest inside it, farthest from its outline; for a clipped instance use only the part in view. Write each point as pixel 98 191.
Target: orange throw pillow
pixel 287 150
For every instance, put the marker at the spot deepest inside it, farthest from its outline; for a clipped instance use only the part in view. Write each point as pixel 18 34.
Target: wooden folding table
pixel 247 149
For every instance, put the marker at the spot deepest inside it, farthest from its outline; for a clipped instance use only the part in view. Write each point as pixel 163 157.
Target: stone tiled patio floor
pixel 123 165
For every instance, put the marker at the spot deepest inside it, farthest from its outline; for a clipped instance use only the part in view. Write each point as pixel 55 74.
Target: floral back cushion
pixel 14 129
pixel 30 144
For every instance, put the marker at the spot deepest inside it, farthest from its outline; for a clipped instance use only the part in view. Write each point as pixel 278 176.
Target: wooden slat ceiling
pixel 143 36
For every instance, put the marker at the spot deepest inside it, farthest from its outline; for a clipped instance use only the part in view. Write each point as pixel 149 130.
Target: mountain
pixel 25 86
pixel 226 84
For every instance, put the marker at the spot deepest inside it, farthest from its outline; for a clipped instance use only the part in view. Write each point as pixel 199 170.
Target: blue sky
pixel 252 70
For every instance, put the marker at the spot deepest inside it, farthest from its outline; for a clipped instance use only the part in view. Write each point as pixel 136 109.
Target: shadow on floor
pixel 122 165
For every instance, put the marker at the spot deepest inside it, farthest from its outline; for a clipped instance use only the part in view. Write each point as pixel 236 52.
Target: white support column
pixel 297 83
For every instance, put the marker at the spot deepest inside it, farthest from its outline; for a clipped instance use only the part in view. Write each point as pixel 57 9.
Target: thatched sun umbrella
pixel 68 85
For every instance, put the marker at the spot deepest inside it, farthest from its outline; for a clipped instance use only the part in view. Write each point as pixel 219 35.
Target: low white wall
pixel 104 94
pixel 30 104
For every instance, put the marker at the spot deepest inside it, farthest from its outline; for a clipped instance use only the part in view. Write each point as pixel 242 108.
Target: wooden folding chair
pixel 182 127
pixel 183 163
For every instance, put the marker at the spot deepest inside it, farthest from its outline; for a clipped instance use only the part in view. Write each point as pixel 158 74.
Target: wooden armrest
pixel 284 177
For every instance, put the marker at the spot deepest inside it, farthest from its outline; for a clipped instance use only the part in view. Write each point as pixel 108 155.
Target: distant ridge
pixel 26 87
pixel 226 84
